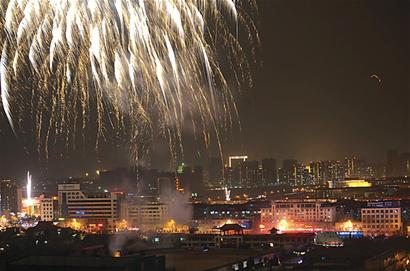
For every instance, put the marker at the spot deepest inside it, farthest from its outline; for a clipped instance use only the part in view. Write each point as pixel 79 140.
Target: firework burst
pixel 133 66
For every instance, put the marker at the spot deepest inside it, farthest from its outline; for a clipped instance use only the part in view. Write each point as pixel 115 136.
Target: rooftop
pixel 231 227
pixel 188 260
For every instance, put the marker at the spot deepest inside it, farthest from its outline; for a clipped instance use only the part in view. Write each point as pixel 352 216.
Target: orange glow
pixel 75 225
pixel 262 228
pixel 348 226
pixel 3 222
pixel 28 202
pixel 283 225
pixel 172 226
pixel 291 226
pixel 122 225
pixel 31 206
pixel 358 183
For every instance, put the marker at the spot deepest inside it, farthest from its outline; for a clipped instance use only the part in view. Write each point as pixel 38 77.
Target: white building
pixel 67 192
pixel 97 210
pixel 303 211
pixel 381 218
pixel 152 215
pixel 48 209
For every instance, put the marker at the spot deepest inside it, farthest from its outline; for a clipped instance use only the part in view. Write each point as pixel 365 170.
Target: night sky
pixel 314 96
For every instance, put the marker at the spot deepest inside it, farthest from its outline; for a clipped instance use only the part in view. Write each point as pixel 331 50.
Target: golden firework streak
pixel 131 65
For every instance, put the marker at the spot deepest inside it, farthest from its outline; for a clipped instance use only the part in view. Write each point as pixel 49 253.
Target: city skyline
pixel 20 173
pixel 266 172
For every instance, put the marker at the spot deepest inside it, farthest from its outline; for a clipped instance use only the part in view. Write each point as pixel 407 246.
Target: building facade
pixel 94 210
pixel 289 172
pixel 269 172
pixel 49 209
pixel 151 215
pixel 10 200
pixel 266 216
pixel 303 211
pixel 380 218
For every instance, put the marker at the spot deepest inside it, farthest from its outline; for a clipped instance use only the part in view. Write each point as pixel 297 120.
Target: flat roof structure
pixel 198 260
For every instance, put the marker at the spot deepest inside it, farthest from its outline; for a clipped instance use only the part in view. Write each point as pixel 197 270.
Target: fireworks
pixel 29 202
pixel 283 225
pixel 133 66
pixel 28 186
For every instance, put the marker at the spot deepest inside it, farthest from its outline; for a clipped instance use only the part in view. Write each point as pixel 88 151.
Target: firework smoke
pixel 133 66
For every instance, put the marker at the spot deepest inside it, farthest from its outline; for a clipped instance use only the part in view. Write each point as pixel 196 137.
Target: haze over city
pixel 314 94
pixel 196 135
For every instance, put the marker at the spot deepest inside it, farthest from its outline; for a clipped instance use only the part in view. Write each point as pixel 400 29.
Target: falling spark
pixel 135 66
pixel 376 77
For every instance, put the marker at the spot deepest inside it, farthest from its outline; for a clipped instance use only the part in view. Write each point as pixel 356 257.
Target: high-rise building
pixel 392 165
pixel 9 198
pixel 289 172
pixel 334 171
pixel 323 172
pixel 236 161
pixel 377 170
pixel 238 175
pixel 235 172
pixel 316 169
pixel 269 172
pixel 190 179
pixel 304 175
pixel 197 181
pixel 215 172
pixel 228 177
pixel 250 174
pixel 398 164
pixel 351 167
pixel 404 168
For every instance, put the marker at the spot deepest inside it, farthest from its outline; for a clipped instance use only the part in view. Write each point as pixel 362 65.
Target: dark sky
pixel 314 97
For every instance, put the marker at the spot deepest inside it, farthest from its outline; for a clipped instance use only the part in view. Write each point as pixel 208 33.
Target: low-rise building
pixel 148 215
pixel 232 236
pixel 48 209
pixel 320 211
pixel 382 218
pixel 95 211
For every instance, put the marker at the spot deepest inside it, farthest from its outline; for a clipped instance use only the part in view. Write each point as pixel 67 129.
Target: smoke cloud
pixel 179 207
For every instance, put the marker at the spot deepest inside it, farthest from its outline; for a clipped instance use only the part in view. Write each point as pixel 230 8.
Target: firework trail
pixel 28 186
pixel 133 66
